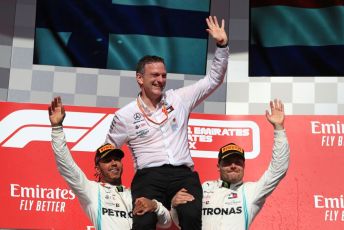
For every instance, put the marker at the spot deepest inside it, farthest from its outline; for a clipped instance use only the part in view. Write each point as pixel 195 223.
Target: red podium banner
pixel 33 195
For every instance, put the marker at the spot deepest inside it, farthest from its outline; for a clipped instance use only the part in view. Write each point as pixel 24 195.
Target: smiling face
pixel 152 81
pixel 110 170
pixel 232 169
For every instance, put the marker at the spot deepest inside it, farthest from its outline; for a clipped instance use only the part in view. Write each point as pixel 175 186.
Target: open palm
pixel 276 117
pixel 216 31
pixel 56 112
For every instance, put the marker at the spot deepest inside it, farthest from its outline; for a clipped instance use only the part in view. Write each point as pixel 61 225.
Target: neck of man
pixel 150 102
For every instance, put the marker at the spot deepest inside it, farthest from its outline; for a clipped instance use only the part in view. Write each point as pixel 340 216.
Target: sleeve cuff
pixel 57 128
pixel 280 133
pixel 158 205
pixel 222 46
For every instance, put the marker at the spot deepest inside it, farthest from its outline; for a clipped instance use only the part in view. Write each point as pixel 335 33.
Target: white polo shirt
pixel 167 143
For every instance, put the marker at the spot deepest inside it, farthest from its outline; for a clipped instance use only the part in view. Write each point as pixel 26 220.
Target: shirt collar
pixel 233 186
pixel 119 188
pixel 145 107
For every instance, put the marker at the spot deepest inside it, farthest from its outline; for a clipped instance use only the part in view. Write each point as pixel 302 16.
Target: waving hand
pixel 56 112
pixel 276 116
pixel 216 31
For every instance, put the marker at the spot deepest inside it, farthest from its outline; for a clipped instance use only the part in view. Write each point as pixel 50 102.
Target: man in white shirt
pixel 154 127
pixel 230 203
pixel 107 202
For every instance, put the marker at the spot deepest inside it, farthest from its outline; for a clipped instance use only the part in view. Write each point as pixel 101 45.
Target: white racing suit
pixel 107 206
pixel 234 206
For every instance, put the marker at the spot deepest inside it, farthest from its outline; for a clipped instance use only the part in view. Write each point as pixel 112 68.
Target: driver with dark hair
pixel 107 202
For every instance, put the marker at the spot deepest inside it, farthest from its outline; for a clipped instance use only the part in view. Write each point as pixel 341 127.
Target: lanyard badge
pixel 164 110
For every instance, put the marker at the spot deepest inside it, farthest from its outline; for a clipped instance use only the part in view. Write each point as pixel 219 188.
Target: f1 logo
pixel 23 126
pixel 88 130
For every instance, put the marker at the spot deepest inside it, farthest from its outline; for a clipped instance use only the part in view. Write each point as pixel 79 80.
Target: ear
pixel 97 169
pixel 218 167
pixel 139 79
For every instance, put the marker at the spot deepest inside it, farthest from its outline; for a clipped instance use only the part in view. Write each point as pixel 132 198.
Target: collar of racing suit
pixel 119 188
pixel 232 186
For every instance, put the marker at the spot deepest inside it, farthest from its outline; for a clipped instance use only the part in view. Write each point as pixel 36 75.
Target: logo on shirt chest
pixel 111 200
pixel 206 197
pixel 138 118
pixel 232 195
pixel 110 196
pixel 169 108
pixel 140 125
pixel 232 199
pixel 142 133
pixel 229 199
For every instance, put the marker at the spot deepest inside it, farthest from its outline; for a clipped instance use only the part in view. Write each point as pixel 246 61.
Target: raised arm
pixel 280 157
pixel 194 94
pixel 67 167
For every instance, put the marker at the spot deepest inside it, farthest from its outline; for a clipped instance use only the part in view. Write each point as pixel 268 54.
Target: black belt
pixel 172 166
